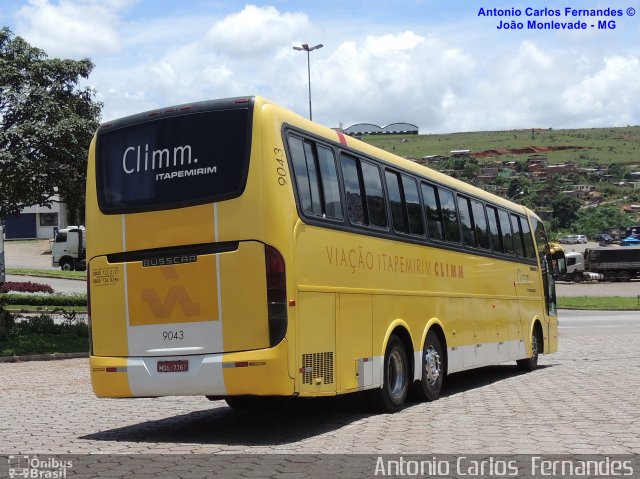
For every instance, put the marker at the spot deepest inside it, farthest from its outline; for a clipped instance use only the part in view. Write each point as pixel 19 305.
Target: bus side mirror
pixel 558 263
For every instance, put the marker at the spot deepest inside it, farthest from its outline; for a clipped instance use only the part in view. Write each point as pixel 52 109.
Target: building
pixel 36 222
pixel 360 129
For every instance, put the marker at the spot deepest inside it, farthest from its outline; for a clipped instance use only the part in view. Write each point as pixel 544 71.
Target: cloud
pixel 72 28
pixel 256 30
pixel 611 89
pixel 440 81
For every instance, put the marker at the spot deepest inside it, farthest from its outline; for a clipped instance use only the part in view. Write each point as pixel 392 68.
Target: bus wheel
pixel 391 396
pixel 66 265
pixel 429 387
pixel 531 363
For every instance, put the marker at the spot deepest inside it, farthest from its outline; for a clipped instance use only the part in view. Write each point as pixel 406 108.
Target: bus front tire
pixel 529 364
pixel 393 393
pixel 429 387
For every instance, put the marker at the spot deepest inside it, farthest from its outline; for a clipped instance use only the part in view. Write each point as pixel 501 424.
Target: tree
pixel 618 171
pixel 595 220
pixel 565 210
pixel 46 125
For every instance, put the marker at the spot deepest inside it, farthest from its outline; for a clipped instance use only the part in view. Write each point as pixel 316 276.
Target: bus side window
pixel 353 193
pixel 480 220
pixel 494 232
pixel 432 212
pixel 306 177
pixel 330 184
pixel 449 216
pixel 376 207
pixel 398 209
pixel 517 235
pixel 414 210
pixel 505 231
pixel 466 222
pixel 529 246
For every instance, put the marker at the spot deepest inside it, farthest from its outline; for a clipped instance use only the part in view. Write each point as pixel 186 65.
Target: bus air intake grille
pixel 317 365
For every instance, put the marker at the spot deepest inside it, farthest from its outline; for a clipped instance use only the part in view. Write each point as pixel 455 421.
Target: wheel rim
pixel 396 374
pixel 432 365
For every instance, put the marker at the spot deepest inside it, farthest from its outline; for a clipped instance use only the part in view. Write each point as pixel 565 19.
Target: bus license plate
pixel 173 366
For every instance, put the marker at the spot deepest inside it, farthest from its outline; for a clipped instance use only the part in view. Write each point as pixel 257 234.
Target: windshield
pixel 184 159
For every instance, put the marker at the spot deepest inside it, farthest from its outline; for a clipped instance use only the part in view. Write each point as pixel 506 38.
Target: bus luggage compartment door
pixel 205 303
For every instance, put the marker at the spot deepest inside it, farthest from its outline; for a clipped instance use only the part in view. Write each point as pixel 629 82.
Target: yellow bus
pixel 237 250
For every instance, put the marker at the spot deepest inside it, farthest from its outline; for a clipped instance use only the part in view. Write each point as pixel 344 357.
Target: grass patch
pixel 596 302
pixel 41 335
pixel 43 344
pixel 49 273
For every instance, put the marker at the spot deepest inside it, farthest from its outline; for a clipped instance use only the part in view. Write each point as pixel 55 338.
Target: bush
pixel 7 323
pixel 42 325
pixel 45 300
pixel 25 287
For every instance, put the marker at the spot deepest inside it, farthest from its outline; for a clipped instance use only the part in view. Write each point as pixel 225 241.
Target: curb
pixel 42 357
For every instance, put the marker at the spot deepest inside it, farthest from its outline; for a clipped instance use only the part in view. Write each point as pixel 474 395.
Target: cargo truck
pixel 604 264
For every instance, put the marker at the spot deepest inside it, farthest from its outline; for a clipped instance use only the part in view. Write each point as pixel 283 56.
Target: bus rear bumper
pixel 257 372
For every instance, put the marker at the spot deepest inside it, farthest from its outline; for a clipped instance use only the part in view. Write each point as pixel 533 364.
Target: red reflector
pixel 243 100
pixel 243 364
pixel 112 370
pixel 292 302
pixel 186 107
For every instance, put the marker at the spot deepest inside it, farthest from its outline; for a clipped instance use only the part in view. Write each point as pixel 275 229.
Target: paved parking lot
pixel 583 399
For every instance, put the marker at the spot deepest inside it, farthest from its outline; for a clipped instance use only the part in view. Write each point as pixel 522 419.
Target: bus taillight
pixel 276 295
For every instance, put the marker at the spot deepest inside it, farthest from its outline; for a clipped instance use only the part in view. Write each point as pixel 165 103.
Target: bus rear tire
pixel 430 385
pixel 395 386
pixel 529 364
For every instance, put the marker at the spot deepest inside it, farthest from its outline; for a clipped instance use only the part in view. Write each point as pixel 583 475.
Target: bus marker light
pixel 292 302
pixel 243 364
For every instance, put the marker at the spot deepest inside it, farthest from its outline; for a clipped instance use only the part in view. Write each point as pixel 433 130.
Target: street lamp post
pixel 306 48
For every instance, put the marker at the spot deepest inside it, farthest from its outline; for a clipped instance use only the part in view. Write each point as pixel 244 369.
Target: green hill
pixel 592 145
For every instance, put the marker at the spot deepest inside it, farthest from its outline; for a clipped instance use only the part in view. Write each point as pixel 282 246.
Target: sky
pixel 442 65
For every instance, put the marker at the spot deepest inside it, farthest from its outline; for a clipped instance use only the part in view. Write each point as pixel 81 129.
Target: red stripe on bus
pixel 343 140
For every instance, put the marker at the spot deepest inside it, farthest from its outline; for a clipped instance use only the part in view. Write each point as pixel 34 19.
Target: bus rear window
pixel 173 162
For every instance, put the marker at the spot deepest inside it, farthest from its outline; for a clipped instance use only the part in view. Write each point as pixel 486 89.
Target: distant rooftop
pixel 371 129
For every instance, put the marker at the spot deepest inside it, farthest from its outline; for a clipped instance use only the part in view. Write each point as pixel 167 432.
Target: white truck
pixel 69 249
pixel 2 263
